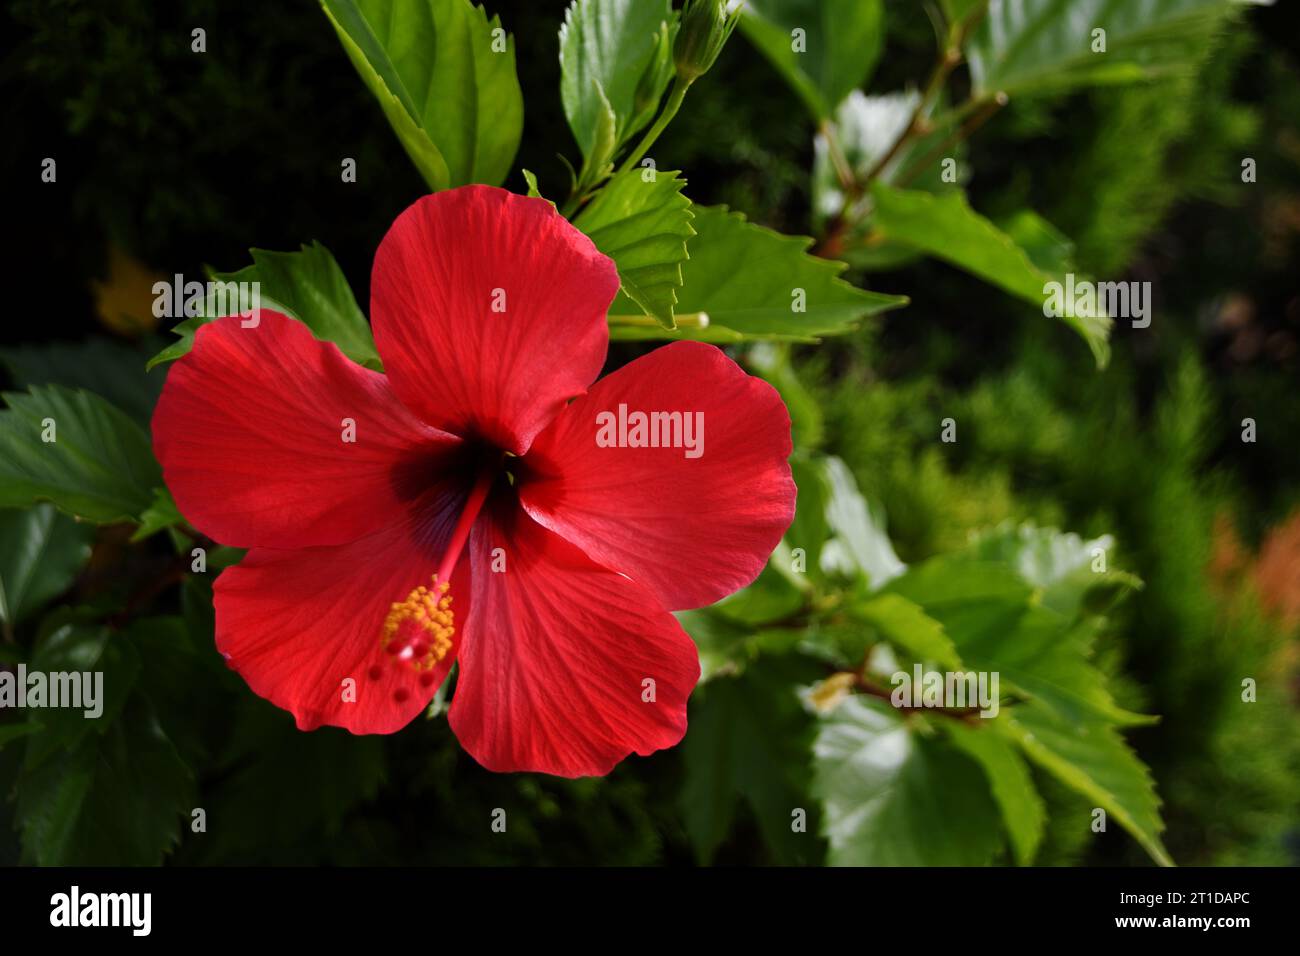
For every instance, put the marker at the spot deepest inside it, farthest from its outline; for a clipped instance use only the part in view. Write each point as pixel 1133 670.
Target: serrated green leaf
pixel 995 624
pixel 115 801
pixel 906 625
pixel 310 282
pixel 1023 812
pixel 644 227
pixel 615 63
pixel 112 370
pixel 1038 47
pixel 945 226
pixel 892 796
pixel 754 283
pixel 99 466
pixel 841 42
pixel 307 285
pixel 444 75
pixel 1092 758
pixel 41 552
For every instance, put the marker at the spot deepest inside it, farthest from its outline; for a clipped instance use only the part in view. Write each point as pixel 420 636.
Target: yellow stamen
pixel 428 640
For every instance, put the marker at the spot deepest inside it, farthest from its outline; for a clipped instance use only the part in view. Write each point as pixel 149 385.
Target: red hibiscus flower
pixel 475 515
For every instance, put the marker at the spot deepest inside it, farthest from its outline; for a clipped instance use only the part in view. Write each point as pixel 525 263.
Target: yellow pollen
pixel 429 639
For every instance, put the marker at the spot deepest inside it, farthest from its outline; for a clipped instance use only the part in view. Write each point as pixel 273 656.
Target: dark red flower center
pixel 418 630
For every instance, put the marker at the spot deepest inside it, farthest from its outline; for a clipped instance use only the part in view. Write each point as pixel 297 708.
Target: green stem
pixel 987 106
pixel 971 115
pixel 843 171
pixel 685 320
pixel 947 63
pixel 670 109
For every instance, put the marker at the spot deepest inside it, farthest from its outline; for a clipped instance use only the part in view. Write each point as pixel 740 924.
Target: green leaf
pixel 945 226
pixel 280 787
pixel 116 800
pixel 772 597
pixel 754 283
pixel 11 732
pixel 1049 249
pixel 162 513
pixel 41 552
pixel 112 370
pixel 99 465
pixel 1093 759
pixel 893 796
pixel 728 646
pixel 311 283
pixel 991 617
pixel 530 178
pixel 841 41
pixel 906 625
pixel 1060 566
pixel 444 75
pixel 809 529
pixel 859 543
pixel 184 678
pixel 615 63
pixel 1038 47
pixel 1023 812
pixel 80 648
pixel 721 642
pixel 307 285
pixel 643 226
pixel 959 11
pixel 749 741
pixel 771 360
pixel 112 789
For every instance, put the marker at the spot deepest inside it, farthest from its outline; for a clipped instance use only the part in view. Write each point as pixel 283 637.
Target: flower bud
pixel 706 25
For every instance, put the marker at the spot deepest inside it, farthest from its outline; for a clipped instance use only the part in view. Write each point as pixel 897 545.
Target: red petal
pixel 296 624
pixel 498 376
pixel 250 428
pixel 552 671
pixel 692 530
